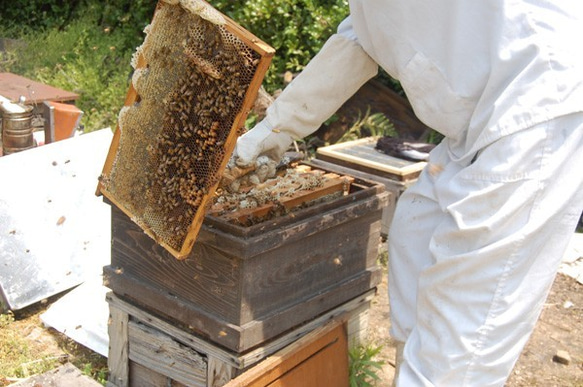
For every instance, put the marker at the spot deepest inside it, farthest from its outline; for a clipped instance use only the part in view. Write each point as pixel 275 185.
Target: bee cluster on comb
pixel 195 78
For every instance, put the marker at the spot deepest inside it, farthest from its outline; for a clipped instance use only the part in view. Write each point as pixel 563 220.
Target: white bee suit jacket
pixel 477 70
pixel 476 243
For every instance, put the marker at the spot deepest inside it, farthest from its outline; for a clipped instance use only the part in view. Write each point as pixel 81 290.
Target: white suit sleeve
pixel 330 78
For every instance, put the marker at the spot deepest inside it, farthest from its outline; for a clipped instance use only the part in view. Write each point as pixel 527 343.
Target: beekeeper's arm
pixel 330 78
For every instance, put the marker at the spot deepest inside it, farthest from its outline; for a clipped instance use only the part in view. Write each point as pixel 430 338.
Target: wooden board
pixel 66 375
pixel 318 359
pixel 362 155
pixel 14 86
pixel 163 171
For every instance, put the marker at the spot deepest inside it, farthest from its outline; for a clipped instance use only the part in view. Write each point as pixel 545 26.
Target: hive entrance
pixel 193 84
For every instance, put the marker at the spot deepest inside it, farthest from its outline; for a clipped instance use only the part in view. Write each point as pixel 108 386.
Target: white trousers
pixel 474 250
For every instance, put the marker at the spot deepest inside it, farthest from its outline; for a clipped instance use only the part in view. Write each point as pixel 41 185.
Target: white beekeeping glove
pixel 332 76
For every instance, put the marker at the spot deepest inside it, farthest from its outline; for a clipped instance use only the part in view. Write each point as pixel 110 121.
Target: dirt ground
pixel 559 331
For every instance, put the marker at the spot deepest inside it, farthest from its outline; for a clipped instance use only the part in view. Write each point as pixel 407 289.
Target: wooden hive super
pixel 196 77
pixel 243 285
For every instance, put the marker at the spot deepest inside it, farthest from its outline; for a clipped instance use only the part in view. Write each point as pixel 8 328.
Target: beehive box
pixel 244 285
pixel 195 79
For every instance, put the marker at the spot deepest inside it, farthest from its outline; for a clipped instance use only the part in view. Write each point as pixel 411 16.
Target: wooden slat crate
pixel 146 350
pixel 194 83
pixel 241 286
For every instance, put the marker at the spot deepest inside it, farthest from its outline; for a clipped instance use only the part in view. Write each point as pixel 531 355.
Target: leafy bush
pixel 82 57
pixel 375 125
pixel 362 366
pixel 296 29
pixel 36 14
pixel 85 46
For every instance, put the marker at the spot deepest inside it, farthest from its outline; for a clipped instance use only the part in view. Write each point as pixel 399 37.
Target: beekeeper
pixel 475 244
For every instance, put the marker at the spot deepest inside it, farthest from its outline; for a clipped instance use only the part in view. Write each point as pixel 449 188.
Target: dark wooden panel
pixel 207 277
pixel 274 237
pixel 320 261
pixel 187 315
pixel 233 337
pixel 257 331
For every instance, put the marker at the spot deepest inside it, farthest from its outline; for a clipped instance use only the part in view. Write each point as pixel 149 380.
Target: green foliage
pixel 85 46
pixel 36 14
pixel 84 58
pixel 17 358
pixel 6 319
pixel 362 368
pixel 95 370
pixel 127 16
pixel 126 19
pixel 383 258
pixel 371 125
pixel 433 137
pixel 296 29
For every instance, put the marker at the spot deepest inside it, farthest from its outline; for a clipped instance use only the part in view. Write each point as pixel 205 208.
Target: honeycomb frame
pixel 194 82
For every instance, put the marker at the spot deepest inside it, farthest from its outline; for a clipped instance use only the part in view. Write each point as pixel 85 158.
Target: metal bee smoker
pixel 16 127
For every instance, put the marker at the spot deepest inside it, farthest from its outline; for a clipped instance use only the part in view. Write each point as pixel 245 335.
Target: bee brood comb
pixel 195 79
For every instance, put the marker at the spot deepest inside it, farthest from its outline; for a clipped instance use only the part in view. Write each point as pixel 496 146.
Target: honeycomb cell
pixel 191 80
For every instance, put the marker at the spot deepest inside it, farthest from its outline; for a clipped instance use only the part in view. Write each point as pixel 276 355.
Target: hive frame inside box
pixel 180 121
pixel 241 286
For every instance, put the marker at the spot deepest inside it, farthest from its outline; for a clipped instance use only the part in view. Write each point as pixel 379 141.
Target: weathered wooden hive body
pixel 236 285
pixel 243 285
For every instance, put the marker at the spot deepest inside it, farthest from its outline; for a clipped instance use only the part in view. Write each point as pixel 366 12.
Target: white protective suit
pixel 476 242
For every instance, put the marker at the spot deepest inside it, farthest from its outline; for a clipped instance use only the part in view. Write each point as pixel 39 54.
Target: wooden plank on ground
pixel 66 375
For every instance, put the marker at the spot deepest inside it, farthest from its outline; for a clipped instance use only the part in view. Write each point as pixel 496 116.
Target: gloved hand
pixel 236 178
pixel 261 140
pixel 332 76
pixel 256 157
